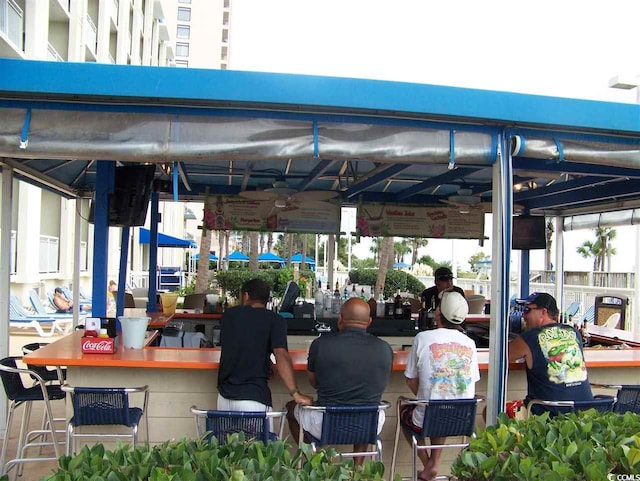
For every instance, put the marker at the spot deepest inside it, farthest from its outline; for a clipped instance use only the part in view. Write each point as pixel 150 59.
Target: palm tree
pixel 386 257
pixel 202 272
pixel 600 249
pixel 547 251
pixel 416 243
pixel 375 247
pixel 401 248
pixel 253 250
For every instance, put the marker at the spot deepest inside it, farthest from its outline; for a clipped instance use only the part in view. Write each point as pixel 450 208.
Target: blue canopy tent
pixel 297 259
pixel 237 256
pixel 401 265
pixel 212 257
pixel 165 240
pixel 271 257
pixel 588 149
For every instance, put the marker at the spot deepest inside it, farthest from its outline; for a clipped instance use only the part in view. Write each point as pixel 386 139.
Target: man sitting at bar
pixel 552 351
pixel 250 333
pixel 443 279
pixel 443 364
pixel 348 367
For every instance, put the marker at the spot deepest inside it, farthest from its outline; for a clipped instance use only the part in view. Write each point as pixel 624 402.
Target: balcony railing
pixel 114 11
pixel 52 54
pixel 49 254
pixel 90 34
pixel 12 22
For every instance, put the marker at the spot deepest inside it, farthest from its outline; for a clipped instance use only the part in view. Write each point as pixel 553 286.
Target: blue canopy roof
pixel 297 259
pixel 238 256
pixel 212 257
pixel 401 265
pixel 270 257
pixel 165 240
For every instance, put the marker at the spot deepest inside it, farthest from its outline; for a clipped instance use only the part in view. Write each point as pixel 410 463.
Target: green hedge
pixel 583 446
pixel 200 460
pixel 231 281
pixel 395 280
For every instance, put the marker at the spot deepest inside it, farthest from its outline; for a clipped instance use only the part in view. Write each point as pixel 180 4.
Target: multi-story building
pixel 202 33
pixel 134 32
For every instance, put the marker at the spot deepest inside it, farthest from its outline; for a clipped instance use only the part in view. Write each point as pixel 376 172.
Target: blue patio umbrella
pixel 401 265
pixel 238 257
pixel 212 257
pixel 270 257
pixel 165 240
pixel 297 259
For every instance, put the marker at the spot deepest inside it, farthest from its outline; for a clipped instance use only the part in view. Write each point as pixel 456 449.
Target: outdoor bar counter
pixel 180 377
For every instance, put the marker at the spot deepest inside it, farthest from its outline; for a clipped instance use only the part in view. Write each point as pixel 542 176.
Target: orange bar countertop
pixel 68 352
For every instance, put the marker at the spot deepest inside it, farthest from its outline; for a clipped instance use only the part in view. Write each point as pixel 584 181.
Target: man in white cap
pixel 443 364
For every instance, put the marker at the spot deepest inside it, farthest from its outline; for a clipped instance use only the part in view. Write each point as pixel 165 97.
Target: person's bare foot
pixel 428 474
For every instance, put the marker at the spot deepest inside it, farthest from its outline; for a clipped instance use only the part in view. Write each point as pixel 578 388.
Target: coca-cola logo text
pixel 103 345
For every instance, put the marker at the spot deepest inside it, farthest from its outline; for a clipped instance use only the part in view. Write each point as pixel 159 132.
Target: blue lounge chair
pixel 20 318
pixel 42 310
pixel 69 295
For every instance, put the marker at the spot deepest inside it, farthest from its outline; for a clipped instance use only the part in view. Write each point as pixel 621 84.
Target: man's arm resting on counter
pixel 519 349
pixel 285 371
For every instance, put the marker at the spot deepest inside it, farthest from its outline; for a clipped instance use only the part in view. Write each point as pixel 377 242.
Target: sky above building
pixel 567 48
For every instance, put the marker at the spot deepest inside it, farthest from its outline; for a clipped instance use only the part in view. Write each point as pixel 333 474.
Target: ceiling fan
pixel 465 201
pixel 283 195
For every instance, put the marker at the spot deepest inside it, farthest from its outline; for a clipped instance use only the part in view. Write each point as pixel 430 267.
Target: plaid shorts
pixel 406 418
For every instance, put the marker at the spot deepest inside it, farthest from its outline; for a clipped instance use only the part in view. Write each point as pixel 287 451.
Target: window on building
pixel 185 1
pixel 50 215
pixel 182 63
pixel 184 14
pixel 182 49
pixel 184 31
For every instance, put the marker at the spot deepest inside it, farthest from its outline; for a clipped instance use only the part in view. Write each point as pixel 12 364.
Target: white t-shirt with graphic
pixel 446 363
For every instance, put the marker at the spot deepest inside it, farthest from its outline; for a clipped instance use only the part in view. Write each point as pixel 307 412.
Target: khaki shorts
pixel 311 420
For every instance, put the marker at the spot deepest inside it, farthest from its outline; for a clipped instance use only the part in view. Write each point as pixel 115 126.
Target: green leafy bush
pixel 231 281
pixel 200 460
pixel 583 446
pixel 395 280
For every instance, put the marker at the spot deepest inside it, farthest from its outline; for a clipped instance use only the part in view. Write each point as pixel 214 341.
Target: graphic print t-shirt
pixel 446 363
pixel 559 371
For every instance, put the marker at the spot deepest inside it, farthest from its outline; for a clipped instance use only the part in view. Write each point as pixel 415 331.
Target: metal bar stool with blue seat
pixel 342 425
pixel 600 402
pixel 627 397
pixel 255 425
pixel 442 418
pixel 20 395
pixel 56 376
pixel 105 406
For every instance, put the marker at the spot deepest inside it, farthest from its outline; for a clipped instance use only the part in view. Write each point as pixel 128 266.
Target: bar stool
pixel 600 402
pixel 254 424
pixel 342 425
pixel 628 397
pixel 18 394
pixel 57 375
pixel 442 418
pixel 105 406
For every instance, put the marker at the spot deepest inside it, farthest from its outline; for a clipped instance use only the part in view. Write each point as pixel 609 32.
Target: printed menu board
pixel 414 221
pixel 235 213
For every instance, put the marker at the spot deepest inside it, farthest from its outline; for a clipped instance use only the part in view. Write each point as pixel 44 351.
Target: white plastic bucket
pixel 134 330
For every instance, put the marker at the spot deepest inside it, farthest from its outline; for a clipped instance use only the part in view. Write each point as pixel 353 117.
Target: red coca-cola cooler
pixel 99 345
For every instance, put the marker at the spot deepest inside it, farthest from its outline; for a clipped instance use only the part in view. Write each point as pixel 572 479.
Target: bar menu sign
pixel 415 221
pixel 233 213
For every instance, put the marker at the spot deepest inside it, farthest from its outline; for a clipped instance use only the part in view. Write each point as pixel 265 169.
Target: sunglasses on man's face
pixel 529 309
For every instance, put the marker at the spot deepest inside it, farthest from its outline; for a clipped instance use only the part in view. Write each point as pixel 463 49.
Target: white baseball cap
pixel 453 306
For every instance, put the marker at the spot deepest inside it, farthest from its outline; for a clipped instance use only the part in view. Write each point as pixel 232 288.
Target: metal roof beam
pixel 445 178
pixel 380 176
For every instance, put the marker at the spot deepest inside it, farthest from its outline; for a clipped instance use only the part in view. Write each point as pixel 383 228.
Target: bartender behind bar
pixel 443 279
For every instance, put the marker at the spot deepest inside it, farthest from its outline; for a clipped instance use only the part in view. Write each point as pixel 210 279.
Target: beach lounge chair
pixel 41 310
pixel 69 295
pixel 45 326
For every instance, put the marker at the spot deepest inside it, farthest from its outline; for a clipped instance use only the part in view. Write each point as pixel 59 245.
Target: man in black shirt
pixel 249 335
pixel 348 367
pixel 443 279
